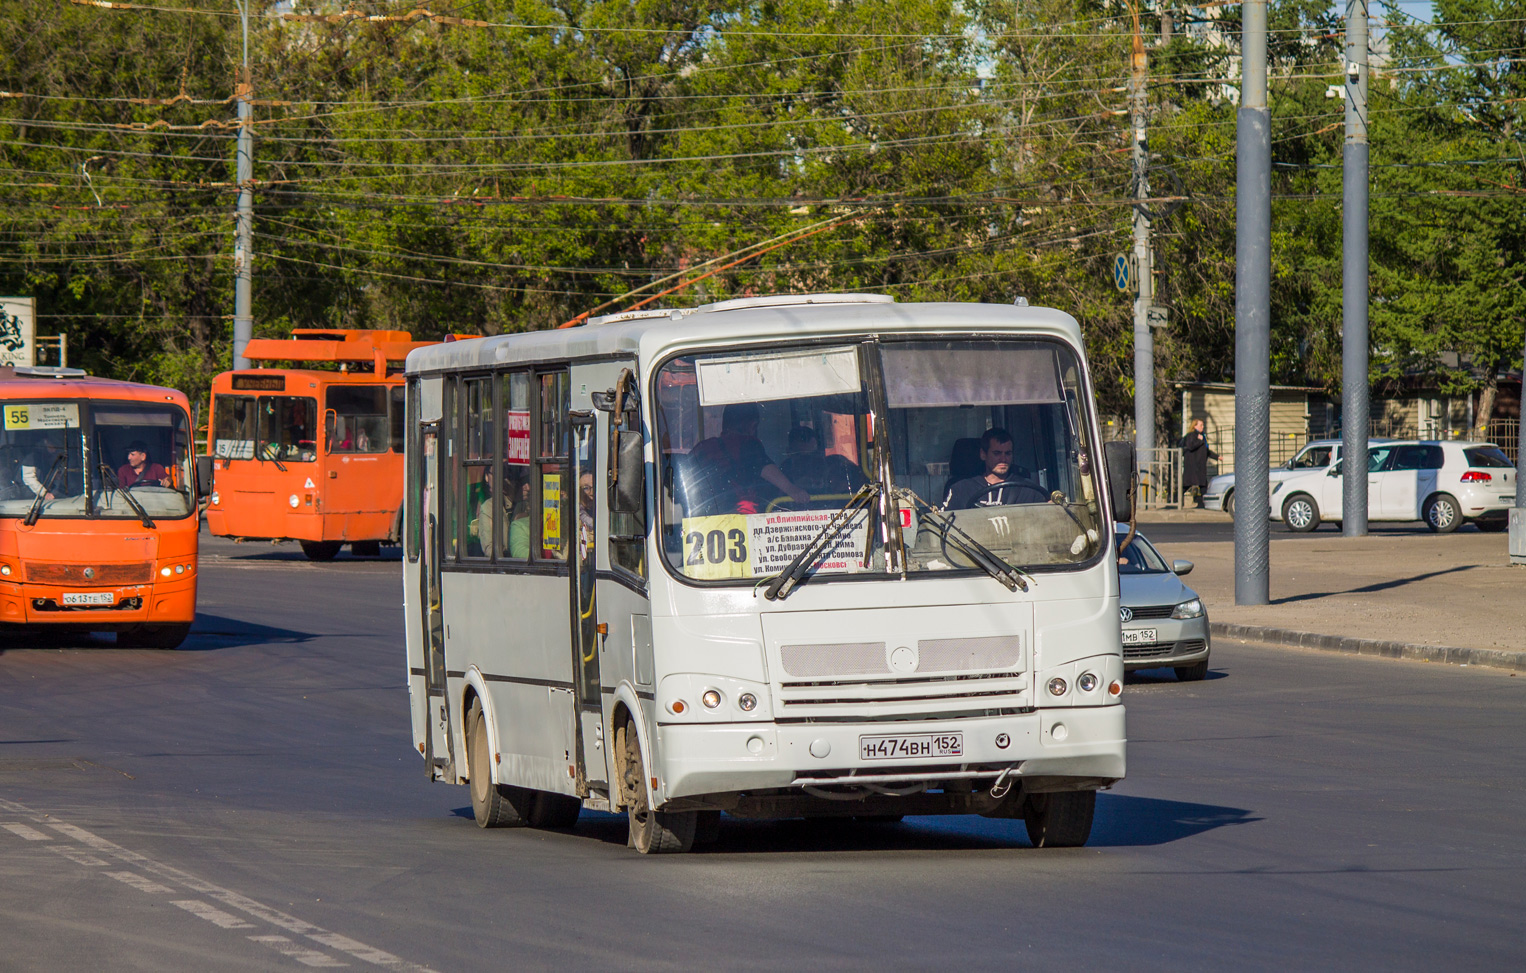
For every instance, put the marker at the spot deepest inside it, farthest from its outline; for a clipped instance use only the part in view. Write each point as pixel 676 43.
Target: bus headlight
pixel 1057 686
pixel 216 498
pixel 711 699
pixel 747 701
pixel 165 570
pixel 180 569
pixel 5 569
pixel 294 500
pixel 1087 682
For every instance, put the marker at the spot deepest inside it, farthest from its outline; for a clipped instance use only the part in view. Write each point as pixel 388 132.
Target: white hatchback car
pixel 1445 484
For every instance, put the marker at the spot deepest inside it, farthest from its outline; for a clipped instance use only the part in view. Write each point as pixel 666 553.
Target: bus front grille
pixel 85 575
pixel 939 655
pixel 913 698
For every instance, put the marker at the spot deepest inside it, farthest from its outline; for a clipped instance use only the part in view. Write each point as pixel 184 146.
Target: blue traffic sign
pixel 1123 277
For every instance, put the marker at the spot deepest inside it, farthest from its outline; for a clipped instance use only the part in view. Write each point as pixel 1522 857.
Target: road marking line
pixel 140 883
pixel 242 903
pixel 22 831
pixel 300 953
pixel 77 855
pixel 217 917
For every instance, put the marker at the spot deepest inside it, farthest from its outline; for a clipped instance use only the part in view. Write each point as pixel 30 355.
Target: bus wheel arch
pixel 652 832
pixel 475 691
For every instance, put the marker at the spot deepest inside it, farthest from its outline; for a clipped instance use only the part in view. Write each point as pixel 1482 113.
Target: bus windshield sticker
pixel 770 377
pixel 517 448
pixel 725 546
pixel 42 415
pixel 551 514
pixel 234 449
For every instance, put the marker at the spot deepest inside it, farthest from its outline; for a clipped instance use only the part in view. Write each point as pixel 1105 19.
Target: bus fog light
pixel 711 699
pixel 294 500
pixel 1115 688
pixel 5 569
pixel 165 571
pixel 748 702
pixel 1057 686
pixel 1087 682
pixel 677 707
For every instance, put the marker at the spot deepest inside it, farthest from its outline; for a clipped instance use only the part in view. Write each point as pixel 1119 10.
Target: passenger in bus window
pixel 732 473
pixel 1000 484
pixel 816 472
pixel 39 463
pixel 138 471
pixel 519 524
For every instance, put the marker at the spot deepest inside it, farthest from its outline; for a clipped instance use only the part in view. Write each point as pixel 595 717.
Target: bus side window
pixel 476 463
pixel 551 489
pixel 517 468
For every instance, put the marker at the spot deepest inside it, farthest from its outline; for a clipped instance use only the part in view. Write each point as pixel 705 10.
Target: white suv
pixel 1445 484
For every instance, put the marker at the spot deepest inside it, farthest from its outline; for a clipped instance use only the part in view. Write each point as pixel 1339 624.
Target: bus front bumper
pixel 46 604
pixel 697 759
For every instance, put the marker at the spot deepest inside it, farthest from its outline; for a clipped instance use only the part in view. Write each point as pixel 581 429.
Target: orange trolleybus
pixel 97 507
pixel 312 454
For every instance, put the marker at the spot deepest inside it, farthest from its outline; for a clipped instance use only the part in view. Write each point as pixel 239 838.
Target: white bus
pixel 698 561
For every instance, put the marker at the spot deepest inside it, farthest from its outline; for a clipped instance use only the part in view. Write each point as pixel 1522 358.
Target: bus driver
pixel 998 486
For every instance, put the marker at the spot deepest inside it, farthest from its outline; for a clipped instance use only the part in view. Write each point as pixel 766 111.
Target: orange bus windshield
pixel 101 459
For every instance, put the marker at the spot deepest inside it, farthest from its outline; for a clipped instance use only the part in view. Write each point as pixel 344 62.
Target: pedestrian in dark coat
pixel 1195 457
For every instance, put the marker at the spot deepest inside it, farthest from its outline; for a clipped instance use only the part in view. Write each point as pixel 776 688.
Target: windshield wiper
pixel 47 488
pixel 785 582
pixel 132 501
pixel 986 559
pixel 259 455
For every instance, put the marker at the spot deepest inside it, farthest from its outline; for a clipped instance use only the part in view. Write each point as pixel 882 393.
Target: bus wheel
pixel 1061 820
pixel 493 805
pixel 554 810
pixel 321 550
pixel 652 832
pixel 366 548
pixel 154 636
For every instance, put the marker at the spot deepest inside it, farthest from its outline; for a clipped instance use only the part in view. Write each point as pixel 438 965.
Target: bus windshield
pixel 139 448
pixel 985 438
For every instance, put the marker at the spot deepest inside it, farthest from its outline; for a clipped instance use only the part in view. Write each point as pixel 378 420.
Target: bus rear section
pixel 98 523
pixel 312 454
pixel 823 557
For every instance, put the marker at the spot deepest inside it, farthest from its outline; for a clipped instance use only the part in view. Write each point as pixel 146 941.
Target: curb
pixel 1497 658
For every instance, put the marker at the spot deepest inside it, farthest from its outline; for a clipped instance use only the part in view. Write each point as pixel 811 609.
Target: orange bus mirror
pixel 203 476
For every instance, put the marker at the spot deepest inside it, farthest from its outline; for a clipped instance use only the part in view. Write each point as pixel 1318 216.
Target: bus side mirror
pixel 627 492
pixel 203 477
pixel 1121 477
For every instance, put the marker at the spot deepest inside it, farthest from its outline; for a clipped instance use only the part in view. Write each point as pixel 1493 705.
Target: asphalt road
pixel 251 802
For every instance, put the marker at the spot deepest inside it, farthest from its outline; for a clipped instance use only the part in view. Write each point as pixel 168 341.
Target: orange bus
pixel 311 454
pixel 98 517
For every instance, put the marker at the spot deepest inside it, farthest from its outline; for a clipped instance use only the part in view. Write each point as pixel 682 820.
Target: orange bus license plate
pixel 89 598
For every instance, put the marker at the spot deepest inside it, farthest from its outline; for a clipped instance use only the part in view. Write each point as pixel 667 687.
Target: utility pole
pixel 1144 341
pixel 243 246
pixel 1354 391
pixel 1253 278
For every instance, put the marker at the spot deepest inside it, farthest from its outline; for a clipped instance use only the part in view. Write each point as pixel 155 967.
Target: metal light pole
pixel 1354 391
pixel 243 247
pixel 1253 347
pixel 1518 515
pixel 1144 341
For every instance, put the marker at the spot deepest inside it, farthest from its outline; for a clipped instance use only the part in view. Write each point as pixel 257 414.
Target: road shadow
pixel 1160 675
pixel 219 632
pixel 261 552
pixel 1375 586
pixel 1121 821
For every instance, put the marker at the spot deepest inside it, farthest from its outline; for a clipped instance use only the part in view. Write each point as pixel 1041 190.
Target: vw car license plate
pixel 89 598
pixel 1138 636
pixel 911 746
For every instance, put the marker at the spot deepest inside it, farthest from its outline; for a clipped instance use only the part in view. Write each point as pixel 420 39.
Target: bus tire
pixel 652 832
pixel 1062 820
pixel 493 805
pixel 365 548
pixel 321 550
pixel 554 811
pixel 154 636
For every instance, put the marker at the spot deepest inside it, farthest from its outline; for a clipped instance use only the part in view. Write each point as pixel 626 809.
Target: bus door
pixel 438 756
pixel 588 743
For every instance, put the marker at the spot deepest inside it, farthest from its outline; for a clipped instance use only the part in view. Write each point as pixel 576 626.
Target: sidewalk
pixel 1410 594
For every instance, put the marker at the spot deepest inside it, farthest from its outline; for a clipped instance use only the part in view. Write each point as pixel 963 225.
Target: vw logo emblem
pixel 90 572
pixel 1126 614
